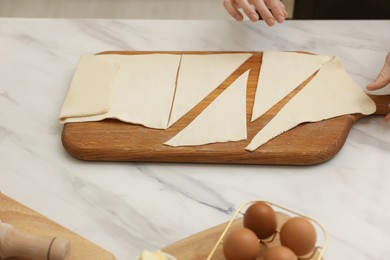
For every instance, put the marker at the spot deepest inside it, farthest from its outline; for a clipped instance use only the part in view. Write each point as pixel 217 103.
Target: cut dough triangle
pixel 222 121
pixel 280 73
pixel 329 94
pixel 142 91
pixel 199 75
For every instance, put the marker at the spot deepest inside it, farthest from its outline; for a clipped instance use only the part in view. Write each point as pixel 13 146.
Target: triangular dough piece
pixel 92 80
pixel 143 89
pixel 280 73
pixel 222 121
pixel 329 94
pixel 199 75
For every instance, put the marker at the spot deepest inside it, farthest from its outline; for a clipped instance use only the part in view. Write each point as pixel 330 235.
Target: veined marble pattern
pixel 128 207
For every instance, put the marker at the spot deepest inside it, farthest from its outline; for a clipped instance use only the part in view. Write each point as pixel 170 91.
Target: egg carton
pixel 282 214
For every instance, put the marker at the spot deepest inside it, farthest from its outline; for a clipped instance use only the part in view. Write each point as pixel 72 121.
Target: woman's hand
pixel 269 10
pixel 382 80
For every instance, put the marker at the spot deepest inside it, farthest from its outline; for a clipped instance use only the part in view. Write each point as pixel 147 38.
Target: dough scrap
pixel 142 91
pixel 280 73
pixel 330 93
pixel 199 75
pixel 93 78
pixel 222 121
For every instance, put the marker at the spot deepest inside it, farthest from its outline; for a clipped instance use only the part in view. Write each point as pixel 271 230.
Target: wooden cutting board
pixel 307 144
pixel 26 220
pixel 200 245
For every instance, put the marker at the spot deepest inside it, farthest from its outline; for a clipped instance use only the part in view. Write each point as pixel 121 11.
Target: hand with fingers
pixel 382 80
pixel 271 11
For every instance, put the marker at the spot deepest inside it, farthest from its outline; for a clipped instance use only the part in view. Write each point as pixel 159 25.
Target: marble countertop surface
pixel 128 207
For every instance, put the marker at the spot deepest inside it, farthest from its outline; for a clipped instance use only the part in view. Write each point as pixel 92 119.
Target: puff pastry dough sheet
pixel 93 79
pixel 280 73
pixel 222 121
pixel 329 94
pixel 142 90
pixel 199 75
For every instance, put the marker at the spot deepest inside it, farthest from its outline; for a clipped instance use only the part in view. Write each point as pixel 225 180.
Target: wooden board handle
pixel 382 104
pixel 14 243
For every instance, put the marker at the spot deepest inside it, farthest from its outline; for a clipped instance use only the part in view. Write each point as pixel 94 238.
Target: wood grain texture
pixel 26 220
pixel 306 144
pixel 200 245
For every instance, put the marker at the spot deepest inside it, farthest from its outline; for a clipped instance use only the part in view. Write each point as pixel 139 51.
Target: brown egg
pixel 261 219
pixel 241 244
pixel 299 235
pixel 280 253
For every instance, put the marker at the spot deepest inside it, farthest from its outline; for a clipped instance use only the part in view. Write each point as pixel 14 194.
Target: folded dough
pixel 280 73
pixel 329 94
pixel 222 121
pixel 199 75
pixel 92 80
pixel 142 90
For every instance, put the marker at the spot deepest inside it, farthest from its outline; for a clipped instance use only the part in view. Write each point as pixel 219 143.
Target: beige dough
pixel 199 75
pixel 142 91
pixel 222 121
pixel 280 73
pixel 93 79
pixel 329 94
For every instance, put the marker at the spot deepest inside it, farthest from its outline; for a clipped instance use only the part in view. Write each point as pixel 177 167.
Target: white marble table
pixel 128 207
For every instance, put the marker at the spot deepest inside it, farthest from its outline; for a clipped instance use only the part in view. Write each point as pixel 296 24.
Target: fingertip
pixel 376 84
pixel 232 10
pixel 369 87
pixel 280 18
pixel 270 21
pixel 254 17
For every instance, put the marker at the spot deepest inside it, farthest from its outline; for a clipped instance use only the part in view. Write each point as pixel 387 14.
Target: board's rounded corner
pixel 71 147
pixel 329 153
